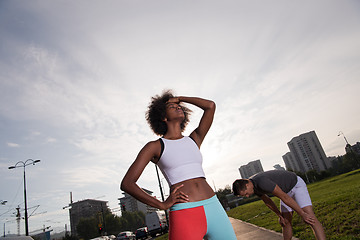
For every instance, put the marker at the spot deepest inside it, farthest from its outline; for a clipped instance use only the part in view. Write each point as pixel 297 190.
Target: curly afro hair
pixel 156 113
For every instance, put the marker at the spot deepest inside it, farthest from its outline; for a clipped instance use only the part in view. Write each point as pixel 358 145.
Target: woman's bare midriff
pixel 197 189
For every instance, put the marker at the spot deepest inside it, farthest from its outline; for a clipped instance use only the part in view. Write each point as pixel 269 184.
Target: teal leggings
pixel 205 219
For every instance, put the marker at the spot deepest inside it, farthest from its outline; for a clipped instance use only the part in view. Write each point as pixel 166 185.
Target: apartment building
pixel 250 169
pixel 306 153
pixel 86 209
pixel 130 204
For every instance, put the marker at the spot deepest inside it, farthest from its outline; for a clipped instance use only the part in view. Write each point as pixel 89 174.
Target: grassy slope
pixel 336 204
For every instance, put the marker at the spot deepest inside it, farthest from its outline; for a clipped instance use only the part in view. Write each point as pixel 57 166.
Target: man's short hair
pixel 239 185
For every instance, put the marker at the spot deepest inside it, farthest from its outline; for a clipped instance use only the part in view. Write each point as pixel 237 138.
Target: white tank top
pixel 181 160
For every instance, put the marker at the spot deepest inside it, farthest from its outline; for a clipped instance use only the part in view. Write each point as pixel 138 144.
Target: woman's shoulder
pixel 154 143
pixel 152 148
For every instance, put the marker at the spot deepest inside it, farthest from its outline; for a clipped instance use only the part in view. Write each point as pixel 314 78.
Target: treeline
pixel 111 224
pixel 342 164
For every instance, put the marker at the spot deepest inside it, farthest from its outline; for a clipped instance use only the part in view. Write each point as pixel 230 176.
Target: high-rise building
pixel 250 169
pixel 290 162
pixel 130 204
pixel 306 153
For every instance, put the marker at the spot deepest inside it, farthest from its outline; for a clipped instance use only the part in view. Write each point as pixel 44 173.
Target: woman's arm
pixel 207 118
pixel 128 184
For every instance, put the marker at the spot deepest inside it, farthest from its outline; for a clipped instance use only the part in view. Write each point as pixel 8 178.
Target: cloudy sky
pixel 76 77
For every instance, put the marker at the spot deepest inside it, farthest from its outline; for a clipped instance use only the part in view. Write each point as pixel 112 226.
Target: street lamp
pixel 350 147
pixel 24 164
pixel 341 133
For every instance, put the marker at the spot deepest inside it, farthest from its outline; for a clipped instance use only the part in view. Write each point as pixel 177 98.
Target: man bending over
pixel 291 190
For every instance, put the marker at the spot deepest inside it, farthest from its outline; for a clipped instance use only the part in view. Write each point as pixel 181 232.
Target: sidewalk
pixel 244 230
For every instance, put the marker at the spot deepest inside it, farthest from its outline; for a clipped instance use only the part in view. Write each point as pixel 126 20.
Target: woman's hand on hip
pixel 176 196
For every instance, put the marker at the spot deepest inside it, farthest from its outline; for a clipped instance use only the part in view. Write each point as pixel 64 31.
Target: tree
pixel 133 220
pixel 69 237
pixel 87 228
pixel 221 194
pixel 313 175
pixel 112 225
pixel 351 160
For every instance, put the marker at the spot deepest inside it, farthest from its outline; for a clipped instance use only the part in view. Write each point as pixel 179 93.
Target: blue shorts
pixel 205 219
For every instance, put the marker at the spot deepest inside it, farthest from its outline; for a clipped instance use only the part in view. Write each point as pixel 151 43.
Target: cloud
pixel 74 87
pixel 51 140
pixel 13 145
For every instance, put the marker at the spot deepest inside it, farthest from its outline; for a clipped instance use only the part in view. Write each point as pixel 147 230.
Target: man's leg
pixel 316 227
pixel 287 229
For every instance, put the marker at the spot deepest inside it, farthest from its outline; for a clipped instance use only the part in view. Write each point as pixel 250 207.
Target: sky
pixel 76 78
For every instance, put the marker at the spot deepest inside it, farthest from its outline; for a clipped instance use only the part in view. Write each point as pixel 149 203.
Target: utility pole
pixel 162 194
pixel 69 206
pixel 18 217
pixel 3 202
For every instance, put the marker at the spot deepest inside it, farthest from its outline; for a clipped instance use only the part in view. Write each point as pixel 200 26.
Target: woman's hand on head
pixel 176 196
pixel 173 100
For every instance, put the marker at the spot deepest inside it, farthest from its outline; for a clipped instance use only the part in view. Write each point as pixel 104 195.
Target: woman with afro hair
pixel 195 212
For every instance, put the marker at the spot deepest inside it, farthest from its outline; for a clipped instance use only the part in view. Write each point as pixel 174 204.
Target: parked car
pixel 141 233
pixel 127 235
pixel 18 238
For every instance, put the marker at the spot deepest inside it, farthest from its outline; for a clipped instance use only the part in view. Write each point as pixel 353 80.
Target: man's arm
pixel 291 203
pixel 270 204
